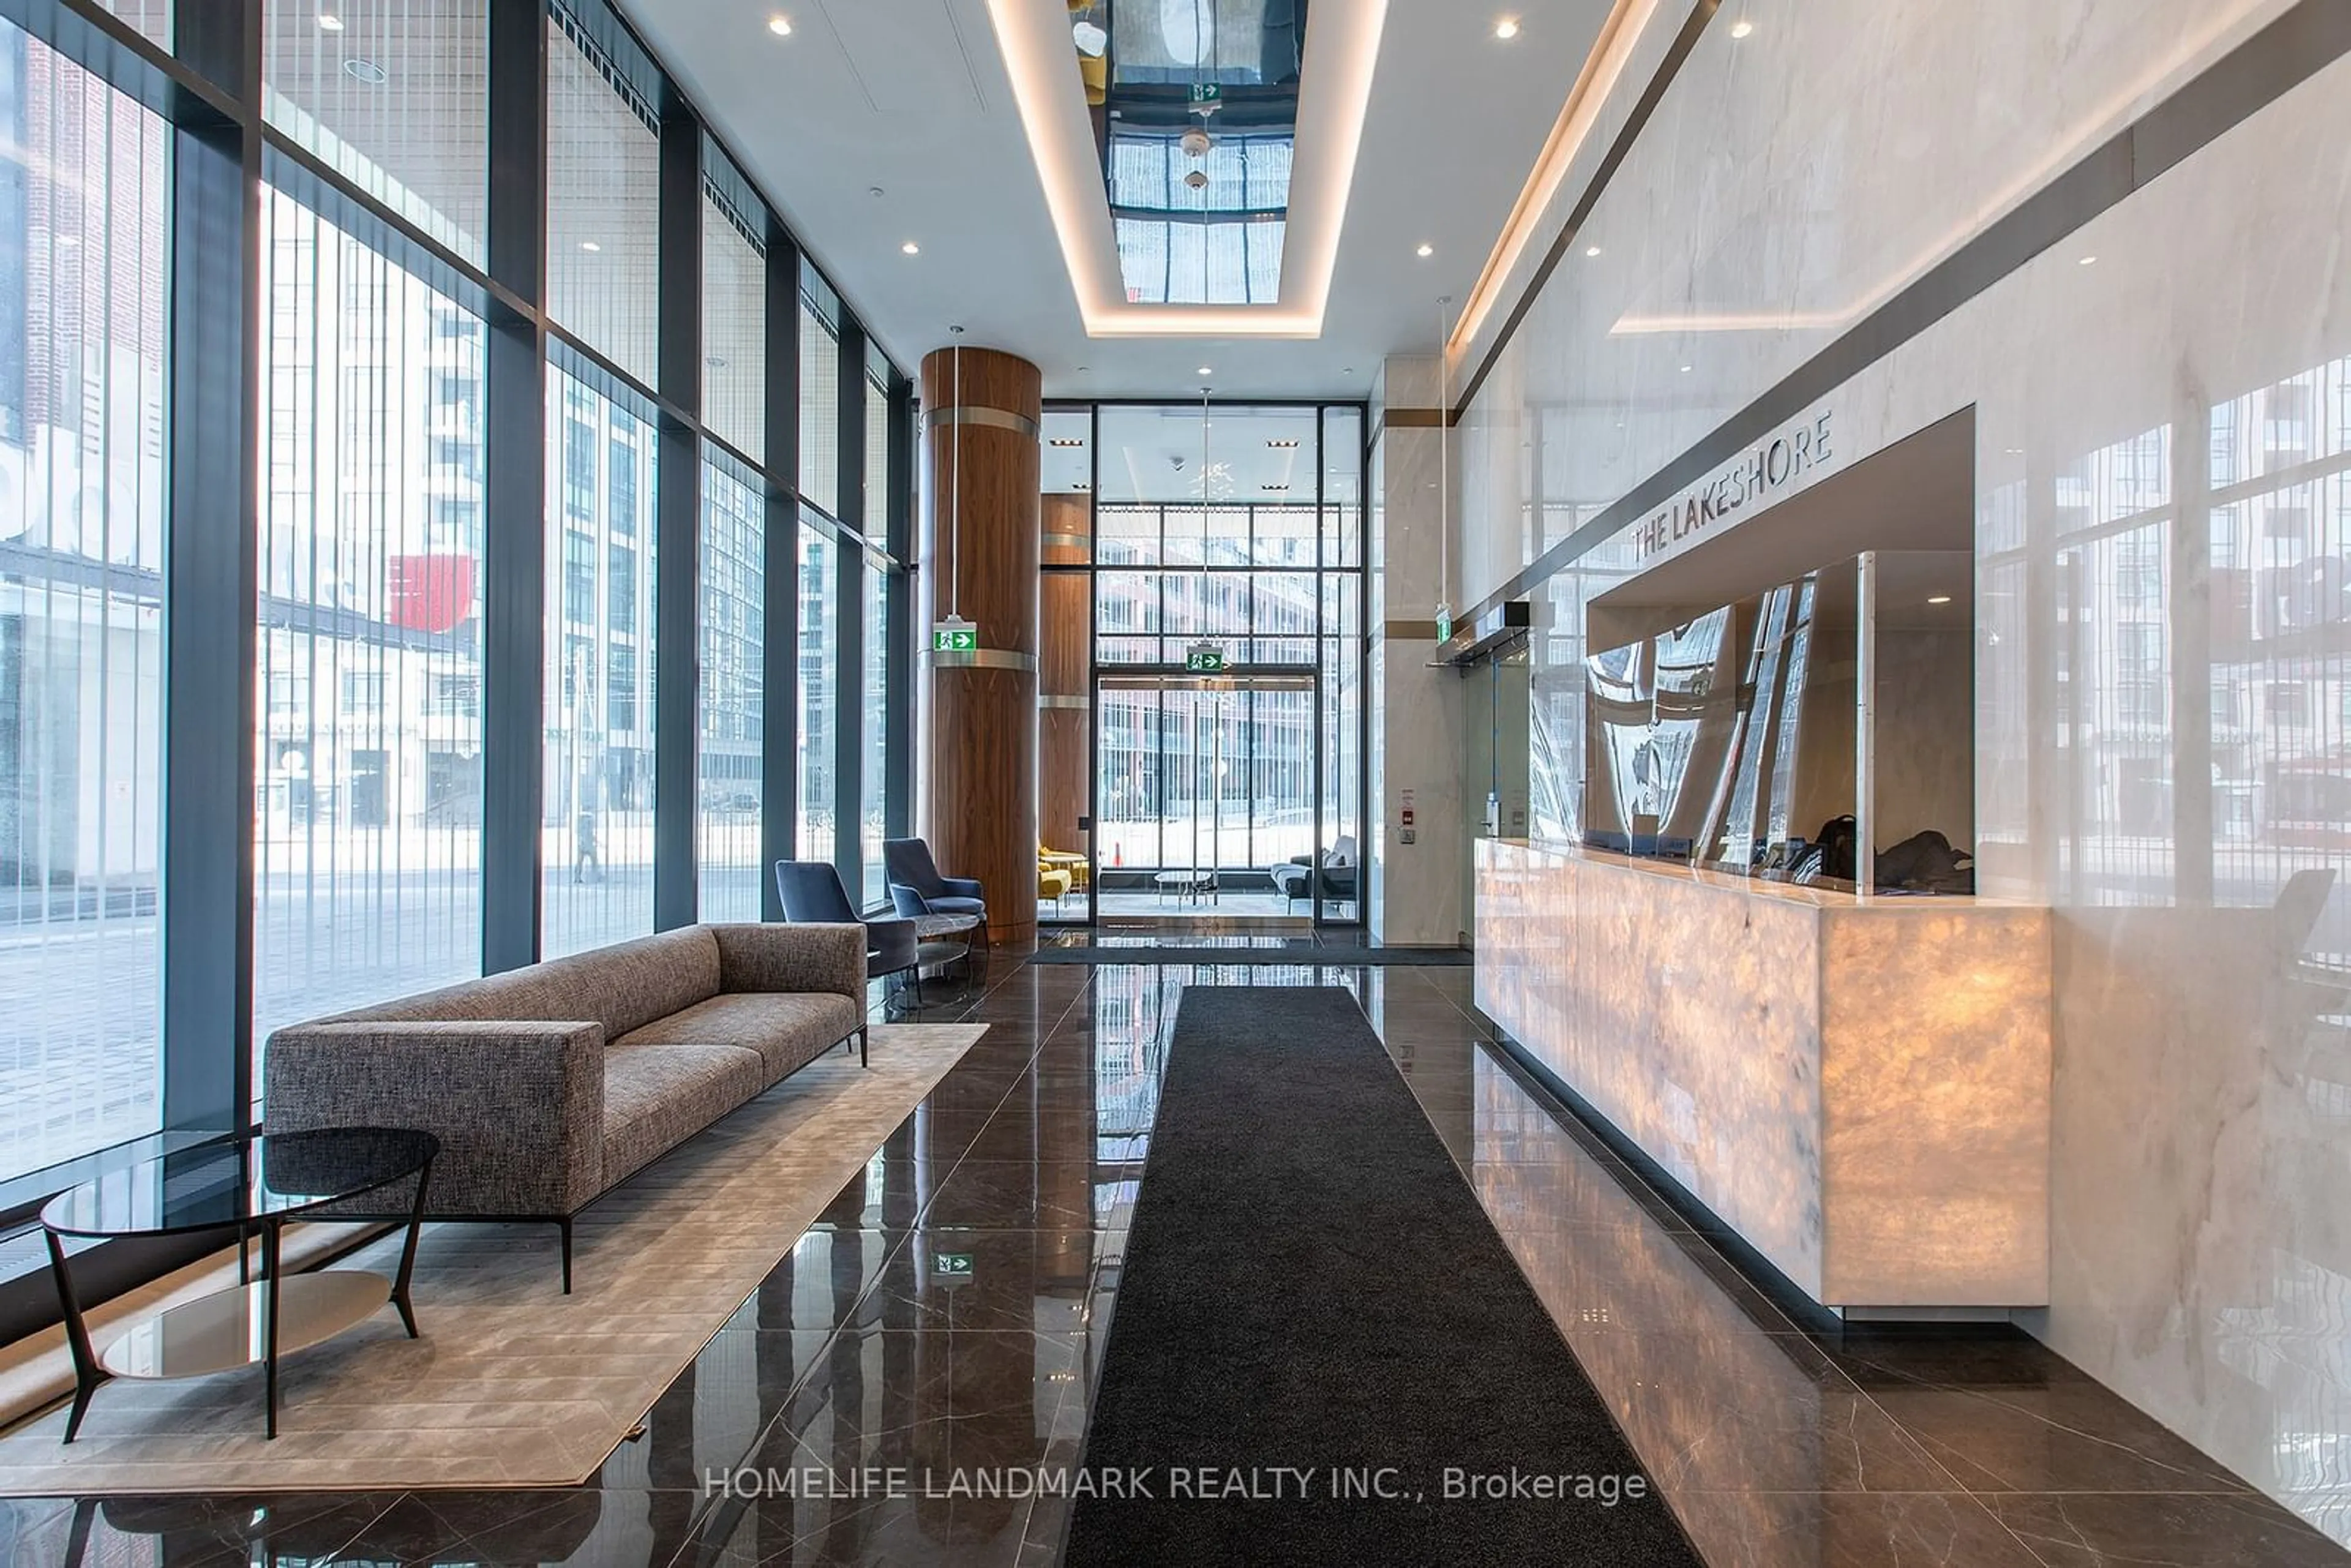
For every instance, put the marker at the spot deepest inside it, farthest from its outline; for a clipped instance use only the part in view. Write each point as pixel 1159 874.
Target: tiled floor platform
pixel 949 1310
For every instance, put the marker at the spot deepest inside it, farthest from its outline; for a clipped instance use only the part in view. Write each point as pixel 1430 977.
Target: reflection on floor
pixel 950 1309
pixel 1169 906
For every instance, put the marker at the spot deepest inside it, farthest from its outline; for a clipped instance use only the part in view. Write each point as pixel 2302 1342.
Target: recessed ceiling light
pixel 1591 250
pixel 1741 27
pixel 1688 369
pixel 1940 599
pixel 330 22
pixel 1508 27
pixel 780 24
pixel 911 248
pixel 2089 261
pixel 589 245
pixel 1428 250
pixel 367 71
pixel 1206 371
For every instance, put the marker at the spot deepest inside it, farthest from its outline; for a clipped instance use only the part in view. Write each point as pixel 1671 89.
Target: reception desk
pixel 1858 1087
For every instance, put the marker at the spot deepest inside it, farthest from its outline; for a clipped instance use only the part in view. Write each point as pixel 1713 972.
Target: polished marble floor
pixel 947 1315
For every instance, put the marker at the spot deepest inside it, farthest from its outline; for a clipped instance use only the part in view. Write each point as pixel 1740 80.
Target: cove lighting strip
pixel 1343 48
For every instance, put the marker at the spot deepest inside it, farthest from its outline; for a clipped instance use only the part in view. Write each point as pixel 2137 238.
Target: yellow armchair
pixel 1077 867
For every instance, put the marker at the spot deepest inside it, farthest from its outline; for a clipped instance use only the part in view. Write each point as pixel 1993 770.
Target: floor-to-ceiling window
pixel 731 727
pixel 402 768
pixel 603 225
pixel 368 809
pixel 598 793
pixel 873 808
pixel 871 706
pixel 83 197
pixel 728 765
pixel 820 716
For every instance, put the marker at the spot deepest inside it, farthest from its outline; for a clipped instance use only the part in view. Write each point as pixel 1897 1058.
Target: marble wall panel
pixel 2164 442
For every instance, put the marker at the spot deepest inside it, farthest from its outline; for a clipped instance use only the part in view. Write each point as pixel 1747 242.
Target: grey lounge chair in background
pixel 917 888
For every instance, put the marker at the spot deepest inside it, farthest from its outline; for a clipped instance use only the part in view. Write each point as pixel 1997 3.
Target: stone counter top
pixel 1813 896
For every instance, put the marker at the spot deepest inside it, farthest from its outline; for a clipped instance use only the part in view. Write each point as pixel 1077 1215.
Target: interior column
pixel 980 517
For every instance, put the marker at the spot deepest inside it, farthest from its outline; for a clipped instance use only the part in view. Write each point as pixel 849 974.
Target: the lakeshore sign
pixel 1756 478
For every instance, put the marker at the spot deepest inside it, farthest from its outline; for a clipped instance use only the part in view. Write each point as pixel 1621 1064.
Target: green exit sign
pixel 1205 662
pixel 952 1265
pixel 954 637
pixel 1207 92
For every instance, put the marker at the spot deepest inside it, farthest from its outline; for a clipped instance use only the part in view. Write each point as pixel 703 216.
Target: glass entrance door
pixel 1207 798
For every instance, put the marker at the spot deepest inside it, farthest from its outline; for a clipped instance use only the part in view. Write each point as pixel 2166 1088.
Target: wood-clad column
pixel 983 740
pixel 1063 719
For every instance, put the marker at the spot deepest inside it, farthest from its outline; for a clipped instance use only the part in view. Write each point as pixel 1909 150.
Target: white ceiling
pixel 912 96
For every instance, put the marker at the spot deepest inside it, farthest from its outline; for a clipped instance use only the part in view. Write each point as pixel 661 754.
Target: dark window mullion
pixel 514 576
pixel 779 787
pixel 212 582
pixel 677 548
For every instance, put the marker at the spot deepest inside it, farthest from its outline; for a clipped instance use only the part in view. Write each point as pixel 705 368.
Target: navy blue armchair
pixel 917 888
pixel 812 895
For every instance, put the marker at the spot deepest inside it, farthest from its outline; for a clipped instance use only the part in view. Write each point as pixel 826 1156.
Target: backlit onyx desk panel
pixel 1858 1086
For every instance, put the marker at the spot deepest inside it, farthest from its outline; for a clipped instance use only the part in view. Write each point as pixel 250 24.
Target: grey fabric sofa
pixel 549 1085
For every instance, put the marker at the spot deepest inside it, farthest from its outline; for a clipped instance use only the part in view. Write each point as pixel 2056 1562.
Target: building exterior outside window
pixel 83 357
pixel 369 806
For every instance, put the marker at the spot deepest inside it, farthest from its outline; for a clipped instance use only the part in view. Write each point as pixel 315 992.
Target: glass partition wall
pixel 519 487
pixel 1210 561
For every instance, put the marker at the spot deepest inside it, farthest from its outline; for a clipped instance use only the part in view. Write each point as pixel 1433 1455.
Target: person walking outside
pixel 583 848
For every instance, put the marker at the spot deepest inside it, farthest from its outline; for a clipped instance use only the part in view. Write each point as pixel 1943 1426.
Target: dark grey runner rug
pixel 1313 1303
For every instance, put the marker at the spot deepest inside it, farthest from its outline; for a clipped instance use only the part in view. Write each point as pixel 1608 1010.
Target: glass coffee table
pixel 247 1185
pixel 946 940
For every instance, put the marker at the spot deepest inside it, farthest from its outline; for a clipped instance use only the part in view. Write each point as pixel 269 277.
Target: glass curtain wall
pixel 386 751
pixel 729 770
pixel 871 705
pixel 598 793
pixel 734 610
pixel 83 216
pixel 1234 542
pixel 367 809
pixel 874 806
pixel 396 100
pixel 820 701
